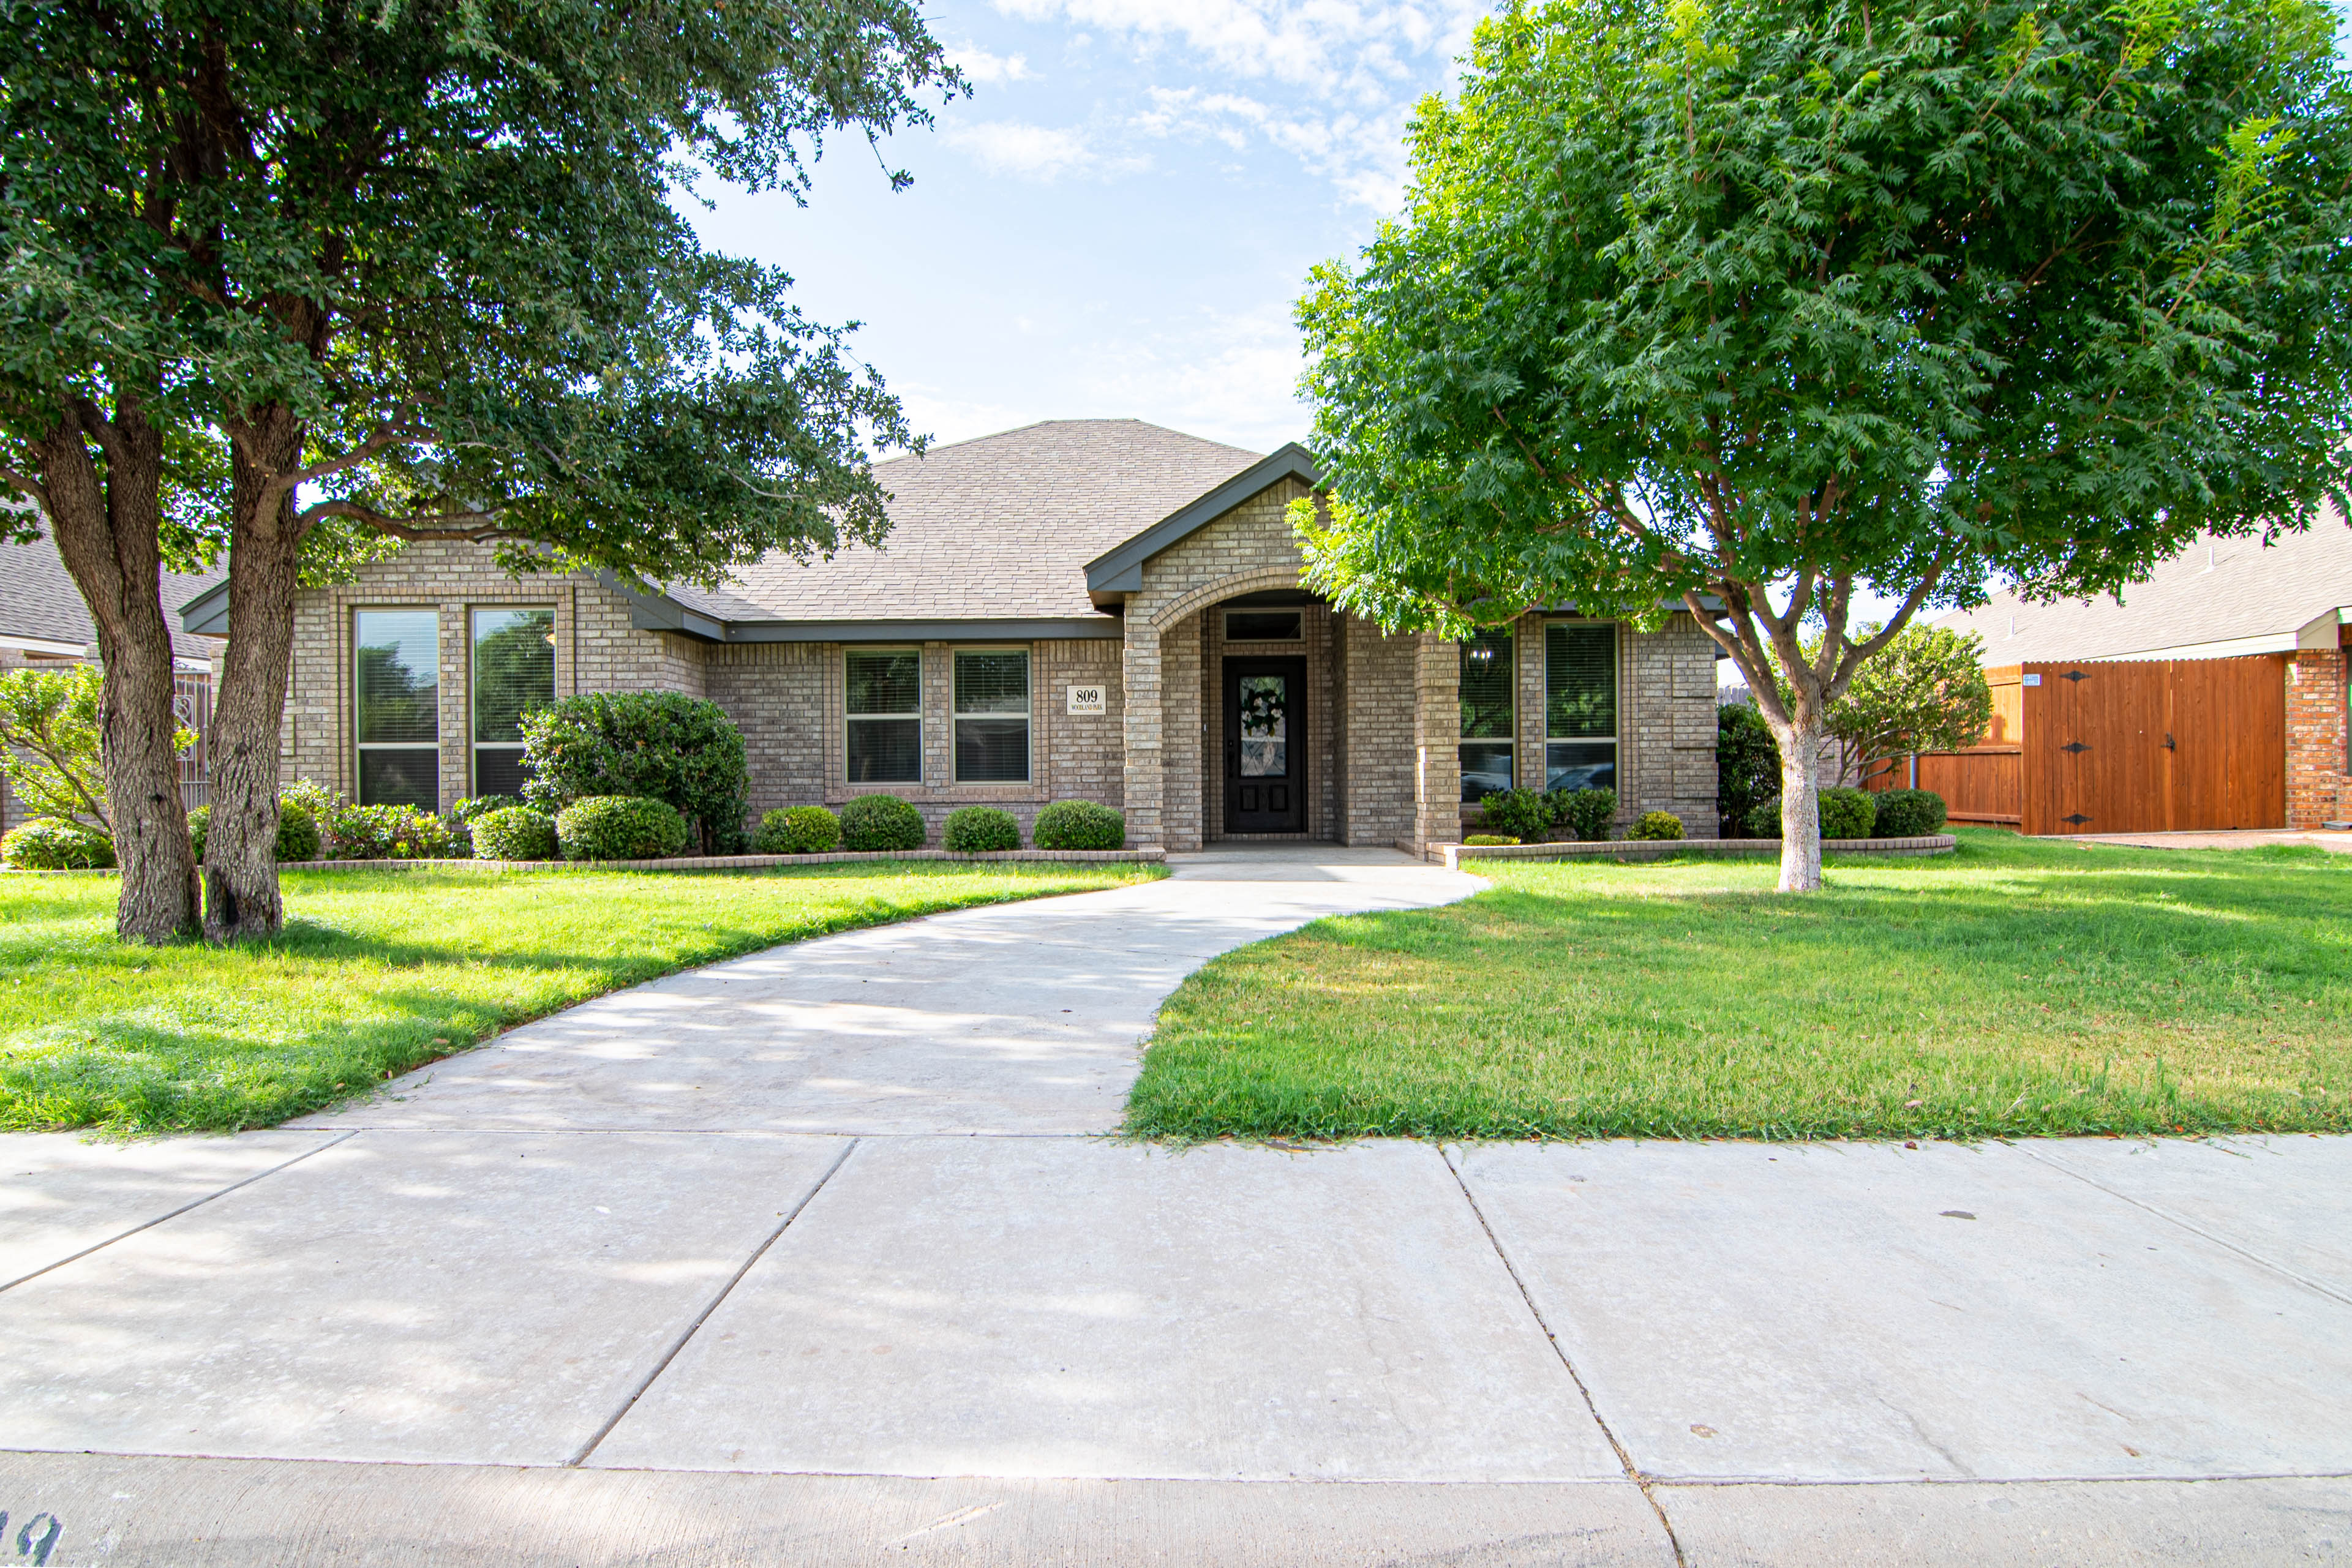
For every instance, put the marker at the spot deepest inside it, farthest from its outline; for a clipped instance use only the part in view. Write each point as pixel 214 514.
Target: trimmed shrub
pixel 395 833
pixel 1078 825
pixel 1909 813
pixel 619 828
pixel 1521 814
pixel 654 745
pixel 1487 840
pixel 1764 819
pixel 52 843
pixel 1657 825
pixel 981 829
pixel 200 823
pixel 298 833
pixel 1847 813
pixel 514 834
pixel 798 830
pixel 1587 812
pixel 474 807
pixel 881 823
pixel 321 802
pixel 1746 765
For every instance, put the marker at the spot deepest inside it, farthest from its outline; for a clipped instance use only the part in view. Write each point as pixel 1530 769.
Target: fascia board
pixel 1097 627
pixel 1121 567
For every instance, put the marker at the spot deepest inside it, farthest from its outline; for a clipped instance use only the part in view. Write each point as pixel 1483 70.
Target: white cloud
pixel 1324 44
pixel 1034 151
pixel 1362 155
pixel 981 66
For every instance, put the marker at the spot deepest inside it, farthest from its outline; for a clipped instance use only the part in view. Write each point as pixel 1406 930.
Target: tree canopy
pixel 298 276
pixel 1748 307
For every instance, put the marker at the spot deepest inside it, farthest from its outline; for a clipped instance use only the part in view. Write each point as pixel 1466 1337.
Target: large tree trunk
pixel 107 533
pixel 241 895
pixel 1800 802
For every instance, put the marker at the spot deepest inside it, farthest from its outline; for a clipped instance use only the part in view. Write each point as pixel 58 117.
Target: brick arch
pixel 1264 577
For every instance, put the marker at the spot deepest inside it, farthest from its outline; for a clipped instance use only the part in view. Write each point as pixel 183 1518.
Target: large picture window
pixel 1580 705
pixel 514 672
pixel 992 716
pixel 396 675
pixel 1489 692
pixel 885 716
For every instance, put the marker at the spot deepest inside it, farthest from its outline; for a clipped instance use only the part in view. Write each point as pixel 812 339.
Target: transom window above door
pixel 1263 625
pixel 885 689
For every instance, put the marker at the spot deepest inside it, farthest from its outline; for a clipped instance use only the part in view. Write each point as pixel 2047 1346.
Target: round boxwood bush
pixel 981 829
pixel 1078 825
pixel 619 828
pixel 881 823
pixel 52 843
pixel 1847 813
pixel 298 831
pixel 1657 825
pixel 474 805
pixel 514 834
pixel 798 830
pixel 1521 814
pixel 1487 840
pixel 1909 813
pixel 1587 812
pixel 659 745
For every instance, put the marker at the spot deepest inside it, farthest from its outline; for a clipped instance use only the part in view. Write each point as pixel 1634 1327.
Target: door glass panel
pixel 1265 726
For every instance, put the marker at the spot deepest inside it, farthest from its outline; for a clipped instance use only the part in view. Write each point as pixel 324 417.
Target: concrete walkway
pixel 806 1259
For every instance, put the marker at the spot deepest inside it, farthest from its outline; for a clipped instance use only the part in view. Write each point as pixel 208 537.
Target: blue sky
pixel 1117 220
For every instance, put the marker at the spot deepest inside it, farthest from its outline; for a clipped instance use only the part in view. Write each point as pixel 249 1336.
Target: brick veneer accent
pixel 2318 789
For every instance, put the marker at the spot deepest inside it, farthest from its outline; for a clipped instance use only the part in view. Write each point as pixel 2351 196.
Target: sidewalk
pixel 756 1266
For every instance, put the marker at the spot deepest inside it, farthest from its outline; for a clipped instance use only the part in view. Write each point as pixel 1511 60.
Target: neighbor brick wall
pixel 2317 788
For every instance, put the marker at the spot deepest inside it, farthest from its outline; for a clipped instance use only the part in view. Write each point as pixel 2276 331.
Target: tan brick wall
pixel 1376 733
pixel 2317 787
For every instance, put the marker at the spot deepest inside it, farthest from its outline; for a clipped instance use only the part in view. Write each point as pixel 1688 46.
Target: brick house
pixel 2289 602
pixel 1099 609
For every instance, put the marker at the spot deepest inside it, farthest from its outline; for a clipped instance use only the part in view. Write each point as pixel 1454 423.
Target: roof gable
pixel 1120 568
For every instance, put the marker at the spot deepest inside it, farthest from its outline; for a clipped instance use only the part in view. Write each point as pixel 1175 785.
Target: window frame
pixel 1615 738
pixel 1028 714
pixel 1508 741
pixel 849 720
pixel 475 746
pixel 361 746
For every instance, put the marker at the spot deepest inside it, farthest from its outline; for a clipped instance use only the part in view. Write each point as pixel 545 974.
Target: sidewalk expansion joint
pixel 580 1455
pixel 1633 1472
pixel 191 1203
pixel 2194 1229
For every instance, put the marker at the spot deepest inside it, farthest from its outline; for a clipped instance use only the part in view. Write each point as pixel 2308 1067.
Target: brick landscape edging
pixel 1151 855
pixel 1452 855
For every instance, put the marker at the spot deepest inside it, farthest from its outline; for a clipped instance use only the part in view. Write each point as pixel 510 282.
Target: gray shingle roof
pixel 38 599
pixel 2216 590
pixel 998 528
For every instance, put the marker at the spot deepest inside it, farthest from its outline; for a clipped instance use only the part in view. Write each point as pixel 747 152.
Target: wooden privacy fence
pixel 2134 745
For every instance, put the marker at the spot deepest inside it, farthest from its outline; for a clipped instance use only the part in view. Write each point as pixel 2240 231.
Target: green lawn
pixel 2016 986
pixel 378 972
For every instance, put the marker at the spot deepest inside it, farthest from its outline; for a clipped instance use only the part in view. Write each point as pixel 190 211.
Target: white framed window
pixel 885 689
pixel 396 691
pixel 990 715
pixel 1490 689
pixel 514 674
pixel 1264 626
pixel 1580 705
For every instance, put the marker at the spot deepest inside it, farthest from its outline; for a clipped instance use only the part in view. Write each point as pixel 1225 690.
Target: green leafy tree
pixel 1746 765
pixel 297 277
pixel 1925 691
pixel 1747 308
pixel 50 728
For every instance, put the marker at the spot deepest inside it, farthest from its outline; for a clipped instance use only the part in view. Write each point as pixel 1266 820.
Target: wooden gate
pixel 2125 747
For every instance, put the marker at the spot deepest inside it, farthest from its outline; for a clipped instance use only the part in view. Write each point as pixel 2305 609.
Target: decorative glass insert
pixel 991 716
pixel 1580 705
pixel 1265 726
pixel 885 690
pixel 1489 693
pixel 397 680
pixel 1263 625
pixel 514 672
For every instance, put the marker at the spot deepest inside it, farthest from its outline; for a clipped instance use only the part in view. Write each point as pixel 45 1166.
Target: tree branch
pixel 417 528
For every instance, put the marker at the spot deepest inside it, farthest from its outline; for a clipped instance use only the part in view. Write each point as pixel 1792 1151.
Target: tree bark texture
pixel 1800 802
pixel 241 894
pixel 106 528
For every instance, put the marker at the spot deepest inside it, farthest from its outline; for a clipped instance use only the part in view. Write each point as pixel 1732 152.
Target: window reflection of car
pixel 1477 783
pixel 1586 775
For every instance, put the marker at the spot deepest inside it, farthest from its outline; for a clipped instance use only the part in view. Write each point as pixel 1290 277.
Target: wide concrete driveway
pixel 814 1258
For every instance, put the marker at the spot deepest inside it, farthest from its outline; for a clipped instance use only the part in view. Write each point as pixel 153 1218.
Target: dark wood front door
pixel 1265 745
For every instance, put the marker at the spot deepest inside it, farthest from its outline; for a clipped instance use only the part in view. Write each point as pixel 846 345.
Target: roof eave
pixel 206 615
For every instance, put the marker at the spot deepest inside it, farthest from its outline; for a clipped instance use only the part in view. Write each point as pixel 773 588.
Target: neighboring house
pixel 44 625
pixel 2290 602
pixel 1099 609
